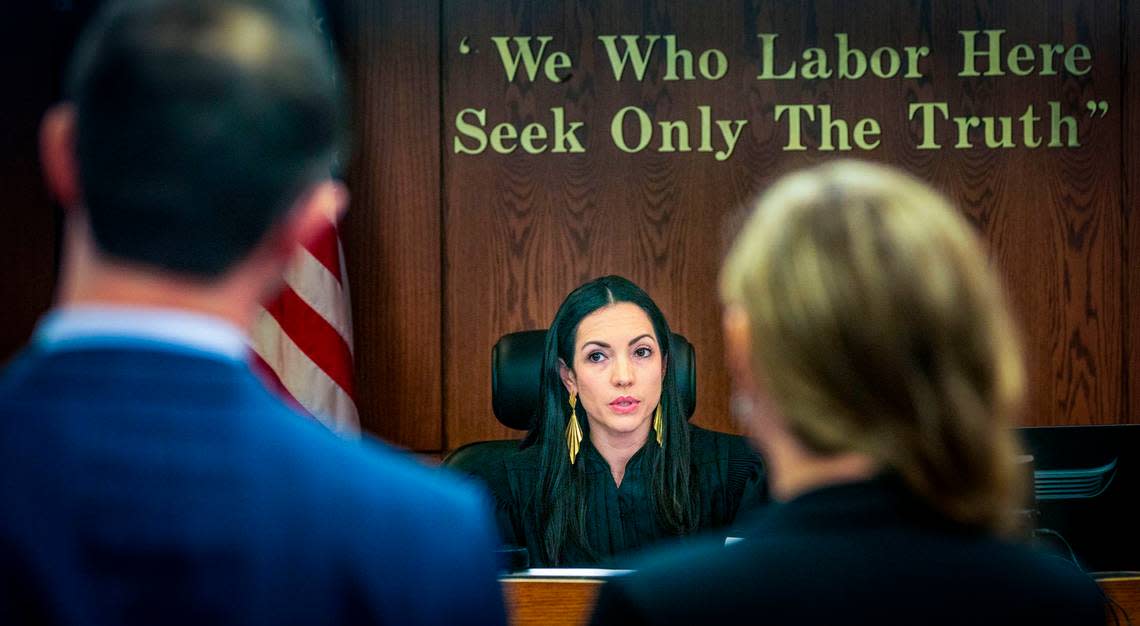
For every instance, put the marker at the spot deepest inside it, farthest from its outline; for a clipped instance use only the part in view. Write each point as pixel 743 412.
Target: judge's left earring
pixel 659 427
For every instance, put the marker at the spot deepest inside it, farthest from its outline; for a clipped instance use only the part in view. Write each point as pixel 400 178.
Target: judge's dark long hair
pixel 561 503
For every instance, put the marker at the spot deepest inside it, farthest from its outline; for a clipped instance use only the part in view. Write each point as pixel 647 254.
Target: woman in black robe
pixel 612 464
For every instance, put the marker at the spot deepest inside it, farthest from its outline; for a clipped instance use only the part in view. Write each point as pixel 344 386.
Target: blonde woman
pixel 877 371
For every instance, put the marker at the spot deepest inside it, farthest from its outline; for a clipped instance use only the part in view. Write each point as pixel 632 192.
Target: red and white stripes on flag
pixel 302 340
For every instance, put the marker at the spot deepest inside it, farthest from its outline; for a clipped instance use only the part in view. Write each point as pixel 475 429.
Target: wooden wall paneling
pixel 1046 215
pixel 1131 209
pixel 522 230
pixel 27 249
pixel 499 212
pixel 1084 190
pixel 529 228
pixel 391 233
pixel 36 39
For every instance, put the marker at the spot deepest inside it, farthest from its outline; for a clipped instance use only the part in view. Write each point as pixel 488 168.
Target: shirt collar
pixel 112 326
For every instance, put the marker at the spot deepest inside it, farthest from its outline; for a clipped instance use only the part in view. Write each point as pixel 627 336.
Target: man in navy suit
pixel 146 476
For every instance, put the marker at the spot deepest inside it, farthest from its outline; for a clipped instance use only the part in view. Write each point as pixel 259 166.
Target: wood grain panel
pixel 1048 216
pixel 537 602
pixel 392 231
pixel 1130 208
pixel 1124 599
pixel 522 230
pixel 37 38
pixel 517 231
pixel 570 602
pixel 27 250
pixel 551 221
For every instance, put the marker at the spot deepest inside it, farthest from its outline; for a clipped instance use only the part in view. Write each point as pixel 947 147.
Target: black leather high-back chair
pixel 516 369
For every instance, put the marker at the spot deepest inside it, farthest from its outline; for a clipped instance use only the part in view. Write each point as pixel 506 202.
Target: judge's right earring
pixel 573 430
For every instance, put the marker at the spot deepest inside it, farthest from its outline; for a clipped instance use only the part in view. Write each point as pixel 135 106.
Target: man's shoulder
pixel 402 513
pixel 369 477
pixel 284 458
pixel 102 374
pixel 436 487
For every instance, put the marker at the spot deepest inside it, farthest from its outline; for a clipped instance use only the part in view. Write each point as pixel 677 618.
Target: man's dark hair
pixel 199 123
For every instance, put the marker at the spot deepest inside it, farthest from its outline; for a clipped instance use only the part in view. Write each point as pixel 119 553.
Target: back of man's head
pixel 199 123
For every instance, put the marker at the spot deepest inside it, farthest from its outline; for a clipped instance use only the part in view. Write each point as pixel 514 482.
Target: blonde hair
pixel 878 327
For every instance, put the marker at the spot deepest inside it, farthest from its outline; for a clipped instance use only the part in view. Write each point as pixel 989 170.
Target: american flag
pixel 302 340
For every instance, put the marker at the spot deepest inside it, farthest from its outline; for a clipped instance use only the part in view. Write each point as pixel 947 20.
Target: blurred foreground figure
pixel 877 370
pixel 146 476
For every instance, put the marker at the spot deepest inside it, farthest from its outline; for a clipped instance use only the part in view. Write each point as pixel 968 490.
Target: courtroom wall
pixel 34 41
pixel 515 231
pixel 450 247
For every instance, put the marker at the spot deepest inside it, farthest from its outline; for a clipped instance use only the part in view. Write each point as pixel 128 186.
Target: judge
pixel 612 464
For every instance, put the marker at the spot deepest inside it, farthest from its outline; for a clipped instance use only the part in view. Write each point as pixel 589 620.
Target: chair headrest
pixel 516 369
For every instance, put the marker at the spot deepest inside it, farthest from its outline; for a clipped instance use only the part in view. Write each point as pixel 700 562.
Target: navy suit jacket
pixel 858 553
pixel 152 486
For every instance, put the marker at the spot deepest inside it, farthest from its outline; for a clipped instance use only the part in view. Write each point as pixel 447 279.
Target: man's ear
pixel 567 376
pixel 57 155
pixel 319 208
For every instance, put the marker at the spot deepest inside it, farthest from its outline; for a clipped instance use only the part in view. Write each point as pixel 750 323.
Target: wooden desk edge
pixel 556 601
pixel 1124 591
pixel 549 600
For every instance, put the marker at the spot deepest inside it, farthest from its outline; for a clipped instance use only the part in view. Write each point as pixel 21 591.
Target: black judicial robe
pixel 727 474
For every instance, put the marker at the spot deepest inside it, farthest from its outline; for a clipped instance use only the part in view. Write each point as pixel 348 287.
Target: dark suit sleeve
pixel 424 552
pixel 480 601
pixel 615 606
pixel 20 602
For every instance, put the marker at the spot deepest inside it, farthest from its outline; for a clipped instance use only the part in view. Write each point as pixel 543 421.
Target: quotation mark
pixel 1094 108
pixel 465 48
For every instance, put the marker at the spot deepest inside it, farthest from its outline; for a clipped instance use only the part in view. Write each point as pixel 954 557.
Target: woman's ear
pixel 567 376
pixel 753 407
pixel 738 348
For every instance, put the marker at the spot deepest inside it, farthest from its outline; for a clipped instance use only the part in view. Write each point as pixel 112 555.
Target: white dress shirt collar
pixel 116 326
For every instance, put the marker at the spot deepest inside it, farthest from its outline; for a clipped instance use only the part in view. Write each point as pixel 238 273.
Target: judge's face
pixel 617 372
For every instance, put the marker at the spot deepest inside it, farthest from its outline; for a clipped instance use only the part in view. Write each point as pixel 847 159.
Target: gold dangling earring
pixel 659 427
pixel 573 430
